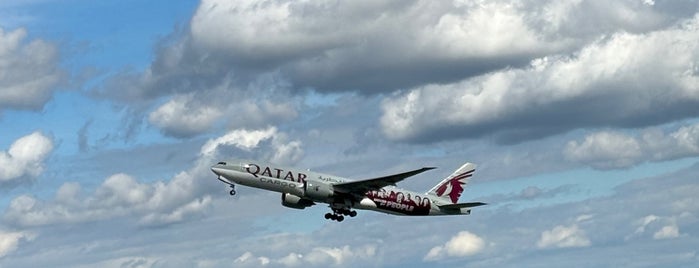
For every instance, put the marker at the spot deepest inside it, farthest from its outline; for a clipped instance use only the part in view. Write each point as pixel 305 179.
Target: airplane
pixel 303 188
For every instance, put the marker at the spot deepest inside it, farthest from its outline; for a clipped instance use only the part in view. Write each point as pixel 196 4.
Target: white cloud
pixel 485 29
pixel 607 149
pixel 339 255
pixel 128 262
pixel 644 222
pixel 291 260
pixel 193 208
pixel 248 259
pixel 461 245
pixel 668 231
pixel 119 195
pixel 584 218
pixel 282 151
pixel 9 241
pixel 315 257
pixel 240 138
pixel 24 161
pixel 29 71
pixel 666 227
pixel 622 79
pixel 178 118
pixel 226 106
pixel 563 237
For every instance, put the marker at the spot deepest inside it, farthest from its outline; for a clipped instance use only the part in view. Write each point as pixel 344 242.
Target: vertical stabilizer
pixel 449 190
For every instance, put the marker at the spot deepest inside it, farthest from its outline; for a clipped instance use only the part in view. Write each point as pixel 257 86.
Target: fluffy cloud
pixel 119 195
pixel 607 149
pixel 340 255
pixel 24 161
pixel 666 227
pixel 189 114
pixel 28 71
pixel 10 240
pixel 178 119
pixel 315 257
pixel 563 237
pixel 461 245
pixel 668 231
pixel 181 198
pixel 621 80
pixel 282 152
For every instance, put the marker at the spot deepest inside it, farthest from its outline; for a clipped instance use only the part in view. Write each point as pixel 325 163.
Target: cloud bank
pixel 555 94
pixel 610 149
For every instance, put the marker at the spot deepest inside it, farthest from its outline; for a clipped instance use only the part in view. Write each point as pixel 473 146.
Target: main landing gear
pixel 338 213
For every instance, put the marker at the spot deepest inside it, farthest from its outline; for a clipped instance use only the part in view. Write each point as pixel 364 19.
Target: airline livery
pixel 301 189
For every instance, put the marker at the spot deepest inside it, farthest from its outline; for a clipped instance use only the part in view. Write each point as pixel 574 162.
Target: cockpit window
pixel 222 163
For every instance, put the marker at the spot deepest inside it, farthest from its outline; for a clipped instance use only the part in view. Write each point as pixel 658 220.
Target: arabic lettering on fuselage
pixel 328 179
pixel 399 201
pixel 257 171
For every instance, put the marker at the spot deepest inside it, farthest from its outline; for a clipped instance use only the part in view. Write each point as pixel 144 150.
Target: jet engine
pixel 294 201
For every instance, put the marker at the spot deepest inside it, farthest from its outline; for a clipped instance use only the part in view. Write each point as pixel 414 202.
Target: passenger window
pixel 222 163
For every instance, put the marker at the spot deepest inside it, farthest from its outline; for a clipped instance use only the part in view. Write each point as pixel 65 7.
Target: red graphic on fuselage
pixel 454 186
pixel 400 202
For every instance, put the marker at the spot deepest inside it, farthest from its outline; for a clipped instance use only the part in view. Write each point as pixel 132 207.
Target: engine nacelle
pixel 294 201
pixel 318 190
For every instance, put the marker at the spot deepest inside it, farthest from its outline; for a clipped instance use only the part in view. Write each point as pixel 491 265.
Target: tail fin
pixel 449 190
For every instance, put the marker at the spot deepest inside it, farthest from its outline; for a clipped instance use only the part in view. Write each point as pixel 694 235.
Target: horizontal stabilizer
pixel 462 205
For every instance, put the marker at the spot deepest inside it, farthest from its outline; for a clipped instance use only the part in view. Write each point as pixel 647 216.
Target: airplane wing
pixel 363 186
pixel 462 205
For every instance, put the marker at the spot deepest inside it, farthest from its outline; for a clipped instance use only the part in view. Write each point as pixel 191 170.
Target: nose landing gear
pixel 232 192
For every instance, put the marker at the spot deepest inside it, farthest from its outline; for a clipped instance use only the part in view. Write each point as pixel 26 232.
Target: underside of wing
pixel 362 186
pixel 462 205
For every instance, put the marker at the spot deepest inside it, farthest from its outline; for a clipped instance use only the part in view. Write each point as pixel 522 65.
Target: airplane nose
pixel 217 170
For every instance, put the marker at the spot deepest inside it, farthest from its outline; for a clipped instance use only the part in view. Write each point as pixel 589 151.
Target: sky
pixel 582 117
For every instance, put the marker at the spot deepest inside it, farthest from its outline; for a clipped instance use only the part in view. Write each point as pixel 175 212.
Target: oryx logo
pixel 454 186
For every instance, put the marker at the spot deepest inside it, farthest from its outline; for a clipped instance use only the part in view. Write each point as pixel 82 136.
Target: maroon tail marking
pixel 456 186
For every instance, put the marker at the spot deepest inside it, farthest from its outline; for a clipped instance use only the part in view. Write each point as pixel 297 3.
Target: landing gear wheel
pixel 340 218
pixel 232 192
pixel 328 216
pixel 353 213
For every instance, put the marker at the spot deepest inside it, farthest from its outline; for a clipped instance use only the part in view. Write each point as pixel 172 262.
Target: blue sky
pixel 582 117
